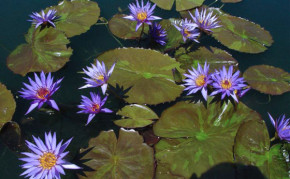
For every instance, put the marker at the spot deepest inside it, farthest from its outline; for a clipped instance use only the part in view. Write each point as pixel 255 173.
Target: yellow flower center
pixel 187 32
pixel 200 21
pixel 95 107
pixel 142 16
pixel 101 77
pixel 226 84
pixel 47 160
pixel 200 80
pixel 42 93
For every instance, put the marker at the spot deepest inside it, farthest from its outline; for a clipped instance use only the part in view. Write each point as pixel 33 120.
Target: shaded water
pixel 272 15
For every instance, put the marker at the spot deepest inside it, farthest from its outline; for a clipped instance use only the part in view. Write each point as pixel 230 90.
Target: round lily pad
pixel 146 74
pixel 7 105
pixel 240 34
pixel 268 79
pixel 215 57
pixel 76 17
pixel 46 51
pixel 181 5
pixel 124 28
pixel 196 137
pixel 127 157
pixel 252 147
pixel 136 116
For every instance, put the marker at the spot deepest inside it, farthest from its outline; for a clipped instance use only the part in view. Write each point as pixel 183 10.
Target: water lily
pixel 282 127
pixel 142 14
pixel 93 106
pixel 157 33
pixel 44 19
pixel 98 76
pixel 227 83
pixel 40 91
pixel 205 21
pixel 187 29
pixel 197 80
pixel 45 161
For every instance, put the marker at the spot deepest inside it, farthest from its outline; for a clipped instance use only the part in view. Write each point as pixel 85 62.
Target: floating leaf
pixel 10 134
pixel 136 116
pixel 124 28
pixel 216 58
pixel 127 157
pixel 7 105
pixel 268 79
pixel 181 5
pixel 46 51
pixel 231 1
pixel 197 138
pixel 240 34
pixel 147 74
pixel 76 17
pixel 252 147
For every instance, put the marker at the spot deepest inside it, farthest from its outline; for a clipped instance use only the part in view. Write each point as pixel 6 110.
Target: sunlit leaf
pixel 127 157
pixel 7 105
pixel 197 138
pixel 181 5
pixel 268 79
pixel 147 74
pixel 46 51
pixel 136 116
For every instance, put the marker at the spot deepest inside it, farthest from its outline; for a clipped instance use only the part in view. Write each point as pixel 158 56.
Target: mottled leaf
pixel 268 79
pixel 147 74
pixel 127 157
pixel 135 116
pixel 46 51
pixel 216 58
pixel 199 137
pixel 124 28
pixel 181 5
pixel 252 147
pixel 7 105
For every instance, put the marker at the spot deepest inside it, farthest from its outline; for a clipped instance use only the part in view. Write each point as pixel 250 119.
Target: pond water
pixel 272 15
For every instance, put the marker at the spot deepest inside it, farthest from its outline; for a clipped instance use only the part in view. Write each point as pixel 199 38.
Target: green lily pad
pixel 215 57
pixel 124 28
pixel 46 51
pixel 127 157
pixel 7 105
pixel 231 1
pixel 240 34
pixel 196 137
pixel 252 147
pixel 181 5
pixel 268 79
pixel 76 17
pixel 136 116
pixel 146 73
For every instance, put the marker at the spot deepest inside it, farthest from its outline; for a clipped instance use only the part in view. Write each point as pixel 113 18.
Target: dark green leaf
pixel 181 5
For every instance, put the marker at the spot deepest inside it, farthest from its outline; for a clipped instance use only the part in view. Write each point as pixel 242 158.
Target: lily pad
pixel 136 116
pixel 181 5
pixel 127 157
pixel 252 147
pixel 7 105
pixel 231 1
pixel 268 79
pixel 124 28
pixel 76 17
pixel 10 135
pixel 215 57
pixel 240 34
pixel 196 137
pixel 146 73
pixel 46 51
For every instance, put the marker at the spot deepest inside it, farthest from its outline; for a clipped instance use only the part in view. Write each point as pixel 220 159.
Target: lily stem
pixel 142 31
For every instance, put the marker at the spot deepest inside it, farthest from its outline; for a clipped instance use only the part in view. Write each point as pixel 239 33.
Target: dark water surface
pixel 273 15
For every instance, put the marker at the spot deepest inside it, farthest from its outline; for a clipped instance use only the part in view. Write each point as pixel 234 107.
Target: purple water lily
pixel 142 14
pixel 45 161
pixel 157 33
pixel 187 29
pixel 40 91
pixel 93 106
pixel 205 21
pixel 98 76
pixel 227 83
pixel 197 80
pixel 44 19
pixel 282 127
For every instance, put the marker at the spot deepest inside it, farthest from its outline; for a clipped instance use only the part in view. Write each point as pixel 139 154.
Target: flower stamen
pixel 47 160
pixel 200 80
pixel 142 16
pixel 95 107
pixel 226 84
pixel 42 93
